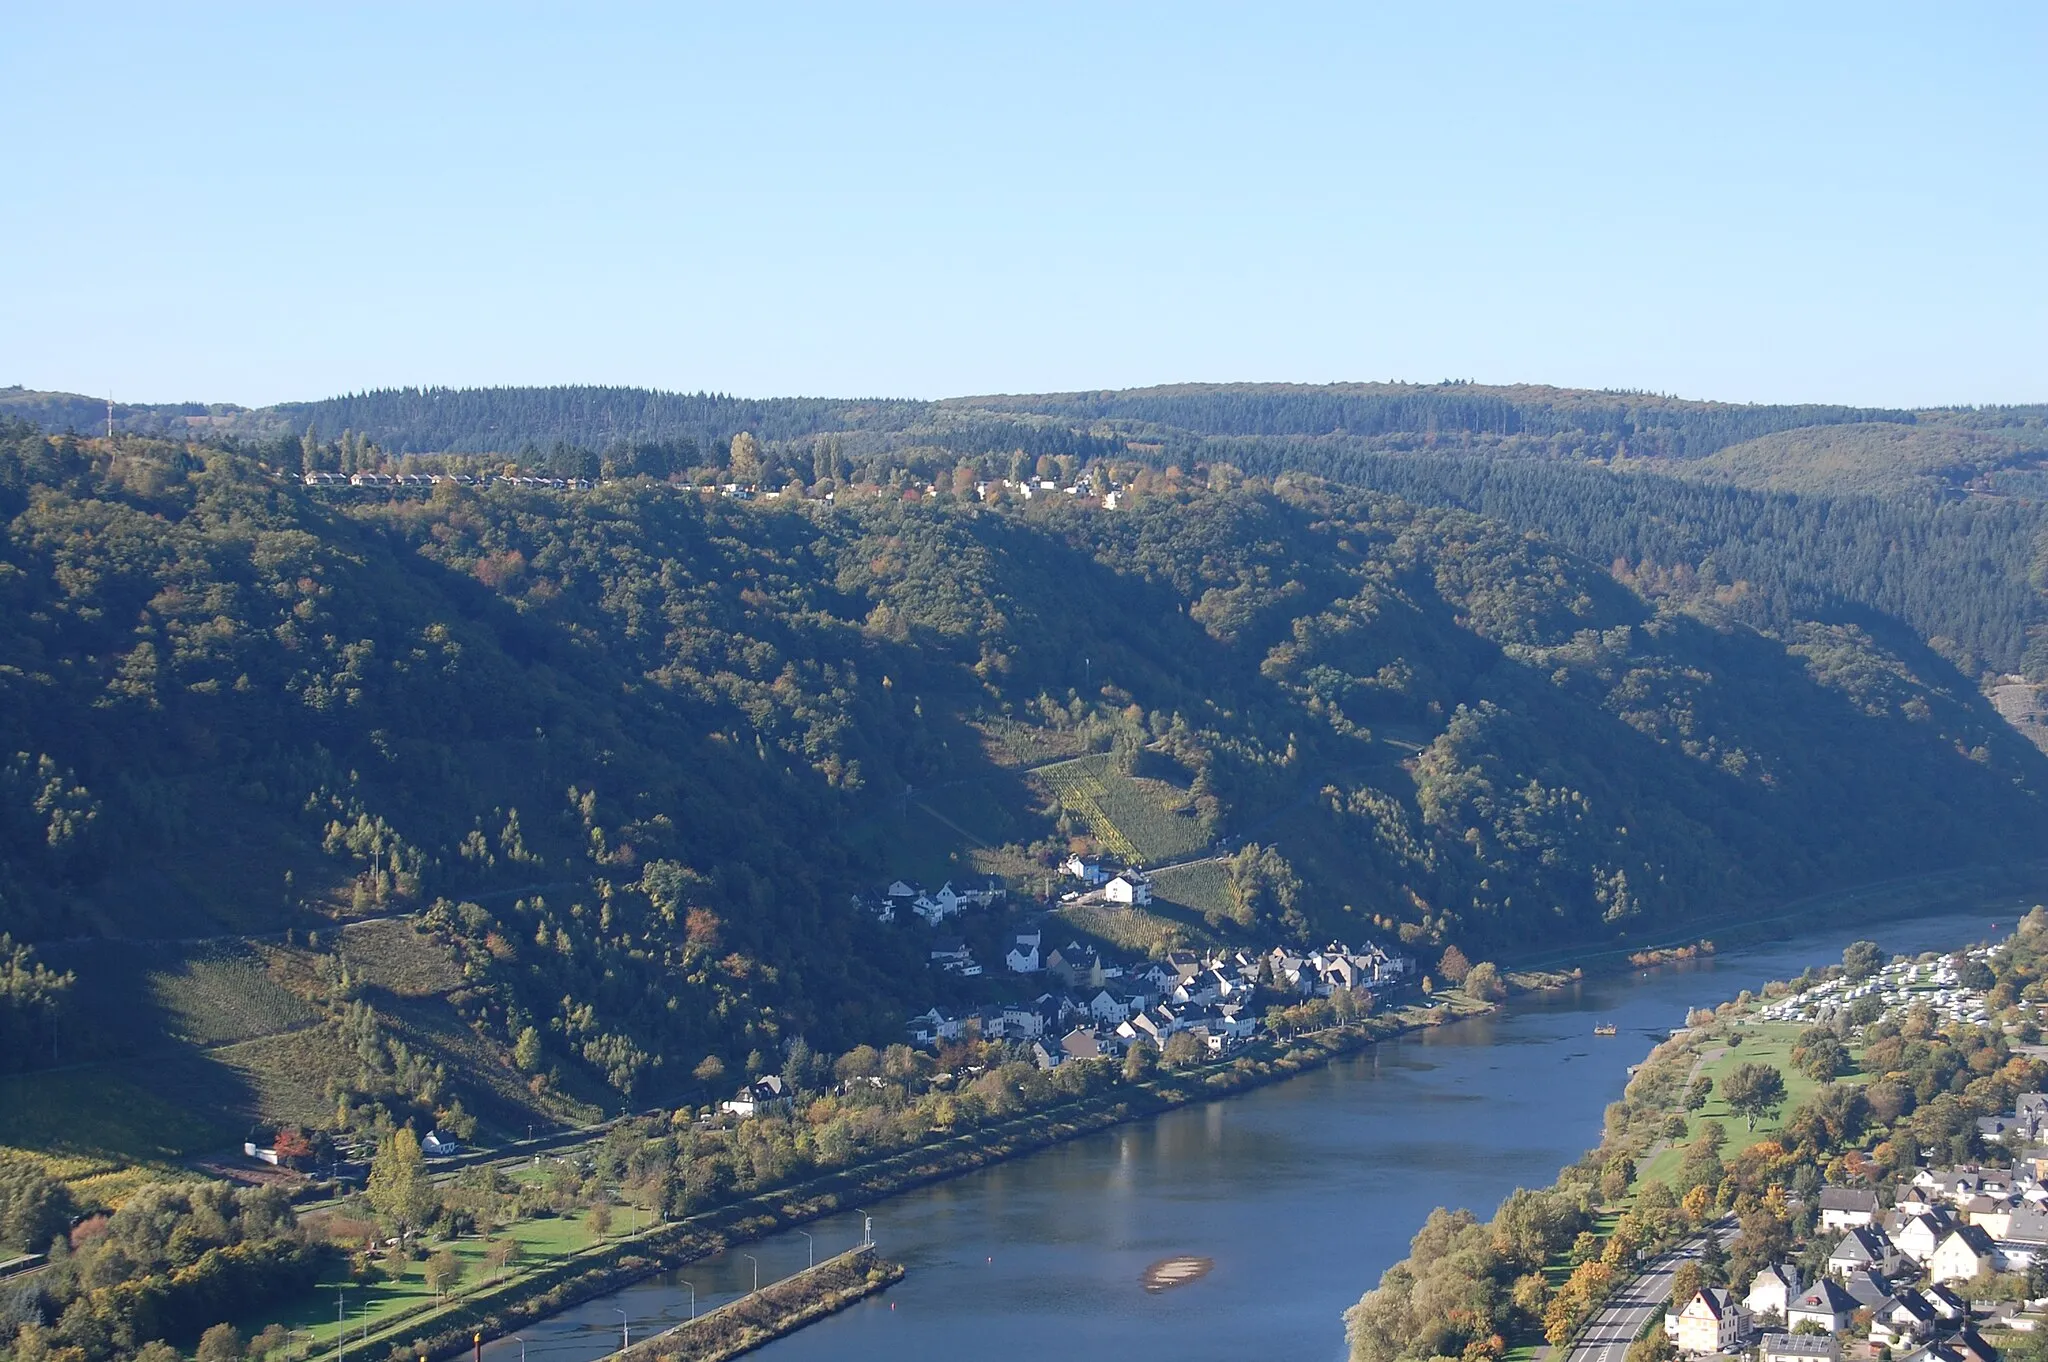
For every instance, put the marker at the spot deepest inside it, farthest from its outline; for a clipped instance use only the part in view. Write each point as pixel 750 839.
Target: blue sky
pixel 1760 203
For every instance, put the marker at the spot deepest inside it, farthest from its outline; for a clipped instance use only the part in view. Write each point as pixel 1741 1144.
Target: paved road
pixel 1606 1339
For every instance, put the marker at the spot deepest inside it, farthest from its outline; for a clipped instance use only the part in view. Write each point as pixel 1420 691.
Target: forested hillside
pixel 632 749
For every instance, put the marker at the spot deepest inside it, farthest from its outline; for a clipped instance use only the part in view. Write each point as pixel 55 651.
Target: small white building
pixel 1128 888
pixel 1022 957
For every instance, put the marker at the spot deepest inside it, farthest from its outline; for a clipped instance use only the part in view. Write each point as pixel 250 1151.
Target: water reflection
pixel 1302 1192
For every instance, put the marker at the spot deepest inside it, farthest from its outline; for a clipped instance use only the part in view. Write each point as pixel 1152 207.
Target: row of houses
pixel 1893 1276
pixel 1219 996
pixel 934 905
pixel 396 481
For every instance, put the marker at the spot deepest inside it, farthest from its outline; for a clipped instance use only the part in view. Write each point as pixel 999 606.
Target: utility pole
pixel 110 416
pixel 340 1326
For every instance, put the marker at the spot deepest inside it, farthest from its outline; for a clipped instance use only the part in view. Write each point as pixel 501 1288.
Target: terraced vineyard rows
pixel 1139 821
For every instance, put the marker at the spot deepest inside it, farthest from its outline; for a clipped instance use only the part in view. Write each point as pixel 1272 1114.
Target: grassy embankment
pixel 403 1313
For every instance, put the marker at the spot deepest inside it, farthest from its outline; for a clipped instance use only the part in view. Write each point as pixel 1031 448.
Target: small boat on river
pixel 1171 1272
pixel 1604 1029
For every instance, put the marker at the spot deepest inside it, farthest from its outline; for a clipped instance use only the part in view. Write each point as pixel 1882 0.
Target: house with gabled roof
pixel 1965 1252
pixel 1847 1207
pixel 1712 1321
pixel 1824 1303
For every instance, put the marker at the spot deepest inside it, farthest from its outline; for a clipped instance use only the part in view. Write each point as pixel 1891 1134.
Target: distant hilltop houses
pixel 399 481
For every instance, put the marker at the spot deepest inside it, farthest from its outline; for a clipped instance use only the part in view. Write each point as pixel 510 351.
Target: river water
pixel 1303 1192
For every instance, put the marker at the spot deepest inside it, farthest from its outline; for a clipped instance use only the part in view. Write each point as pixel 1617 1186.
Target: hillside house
pixel 757 1098
pixel 1129 888
pixel 932 1026
pixel 1088 872
pixel 1022 957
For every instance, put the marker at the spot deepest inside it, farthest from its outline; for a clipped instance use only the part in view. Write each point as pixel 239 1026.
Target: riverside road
pixel 1607 1336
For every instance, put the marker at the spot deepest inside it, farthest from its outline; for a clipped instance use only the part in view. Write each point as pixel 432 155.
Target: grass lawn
pixel 541 1242
pixel 1762 1043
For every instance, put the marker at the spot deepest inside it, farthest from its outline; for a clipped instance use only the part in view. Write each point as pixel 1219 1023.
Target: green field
pixel 542 1242
pixel 1762 1043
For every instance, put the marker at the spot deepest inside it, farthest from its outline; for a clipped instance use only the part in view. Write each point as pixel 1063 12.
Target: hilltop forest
pixel 625 754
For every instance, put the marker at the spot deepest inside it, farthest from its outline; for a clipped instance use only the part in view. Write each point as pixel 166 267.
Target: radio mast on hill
pixel 110 416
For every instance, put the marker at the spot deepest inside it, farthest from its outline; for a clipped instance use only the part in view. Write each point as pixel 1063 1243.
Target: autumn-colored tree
pixel 1454 966
pixel 443 1271
pixel 399 1191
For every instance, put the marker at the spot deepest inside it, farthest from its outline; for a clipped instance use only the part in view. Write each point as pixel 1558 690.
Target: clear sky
pixel 1771 202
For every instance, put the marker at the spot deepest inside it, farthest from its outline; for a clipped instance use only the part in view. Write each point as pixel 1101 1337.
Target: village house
pixel 1770 1291
pixel 1860 1248
pixel 1081 1043
pixel 1088 872
pixel 1902 1320
pixel 436 1144
pixel 1824 1303
pixel 1777 1347
pixel 951 954
pixel 1917 1236
pixel 1711 1322
pixel 1963 1254
pixel 1022 957
pixel 1075 967
pixel 1128 888
pixel 1847 1207
pixel 757 1098
pixel 2021 1234
pixel 932 1026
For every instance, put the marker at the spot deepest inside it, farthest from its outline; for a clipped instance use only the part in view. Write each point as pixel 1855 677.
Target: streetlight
pixel 813 1247
pixel 693 1300
pixel 625 1329
pixel 522 1346
pixel 867 1228
pixel 757 1270
pixel 340 1321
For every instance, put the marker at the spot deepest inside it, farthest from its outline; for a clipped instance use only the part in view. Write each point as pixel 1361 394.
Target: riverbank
pixel 761 1317
pixel 1722 1121
pixel 499 1309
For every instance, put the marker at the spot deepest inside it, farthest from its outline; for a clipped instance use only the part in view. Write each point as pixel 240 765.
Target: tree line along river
pixel 1302 1192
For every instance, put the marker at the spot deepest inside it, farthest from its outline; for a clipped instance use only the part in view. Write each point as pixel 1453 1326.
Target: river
pixel 1303 1192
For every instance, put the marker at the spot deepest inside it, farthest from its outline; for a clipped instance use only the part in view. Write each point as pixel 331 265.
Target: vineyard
pixel 1136 820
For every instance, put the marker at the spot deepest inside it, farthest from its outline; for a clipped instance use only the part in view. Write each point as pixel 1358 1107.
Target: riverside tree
pixel 1754 1091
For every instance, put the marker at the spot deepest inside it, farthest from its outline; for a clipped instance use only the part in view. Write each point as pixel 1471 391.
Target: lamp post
pixel 813 1245
pixel 340 1324
pixel 625 1329
pixel 522 1346
pixel 693 1300
pixel 757 1270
